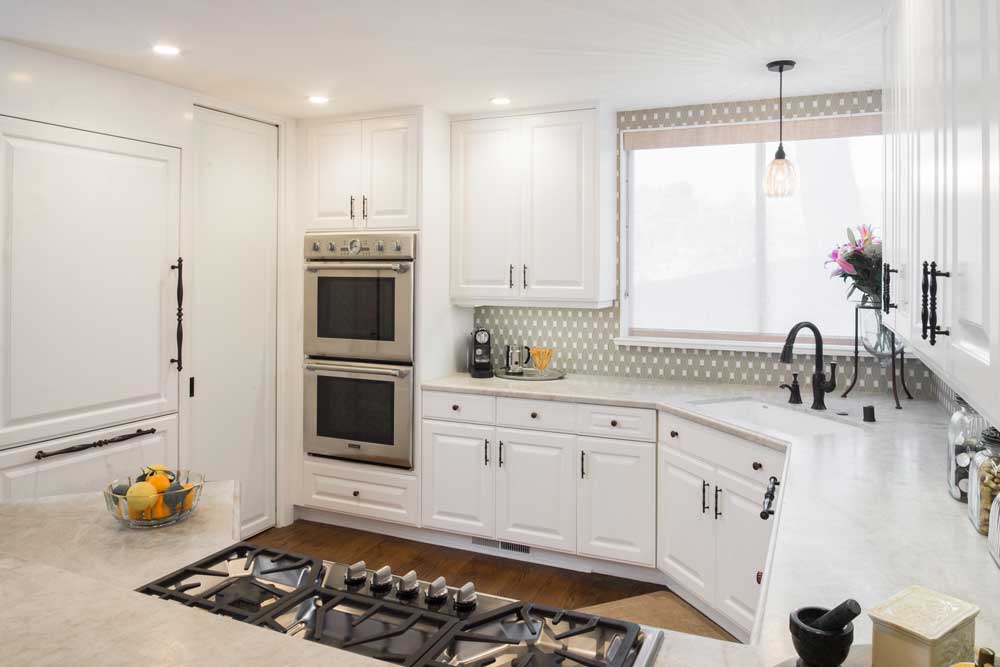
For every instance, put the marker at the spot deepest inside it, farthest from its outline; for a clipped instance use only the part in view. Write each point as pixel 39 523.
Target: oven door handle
pixel 360 368
pixel 398 267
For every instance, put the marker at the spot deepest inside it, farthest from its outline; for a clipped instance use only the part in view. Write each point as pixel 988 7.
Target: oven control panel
pixel 360 245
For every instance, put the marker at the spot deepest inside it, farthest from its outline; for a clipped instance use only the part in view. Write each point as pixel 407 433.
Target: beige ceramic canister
pixel 919 627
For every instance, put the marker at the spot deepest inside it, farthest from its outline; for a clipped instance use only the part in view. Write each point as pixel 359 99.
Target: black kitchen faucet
pixel 820 385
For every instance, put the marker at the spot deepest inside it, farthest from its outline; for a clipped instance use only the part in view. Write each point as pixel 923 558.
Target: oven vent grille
pixel 503 546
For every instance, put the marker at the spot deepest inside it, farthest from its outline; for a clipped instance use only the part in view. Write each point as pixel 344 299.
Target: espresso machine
pixel 480 354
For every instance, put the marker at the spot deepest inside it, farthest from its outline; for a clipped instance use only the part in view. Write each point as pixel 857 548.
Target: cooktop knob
pixel 356 573
pixel 465 598
pixel 354 246
pixel 382 579
pixel 379 246
pixel 408 585
pixel 315 246
pixel 437 591
pixel 331 246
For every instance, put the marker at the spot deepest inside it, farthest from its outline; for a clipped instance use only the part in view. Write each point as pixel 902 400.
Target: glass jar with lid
pixel 994 543
pixel 963 442
pixel 984 479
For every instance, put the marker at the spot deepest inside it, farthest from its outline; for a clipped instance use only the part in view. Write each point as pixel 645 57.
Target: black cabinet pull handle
pixel 704 496
pixel 767 508
pixel 717 512
pixel 674 434
pixel 933 327
pixel 179 266
pixel 524 276
pixel 583 471
pixel 510 277
pixel 534 415
pixel 924 312
pixel 352 208
pixel 455 407
pixel 760 576
pixel 486 452
pixel 757 465
pixel 356 494
pixel 364 207
pixel 887 303
pixel 500 463
pixel 39 455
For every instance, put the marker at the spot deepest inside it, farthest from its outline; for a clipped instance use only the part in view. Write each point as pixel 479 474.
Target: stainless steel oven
pixel 359 295
pixel 359 411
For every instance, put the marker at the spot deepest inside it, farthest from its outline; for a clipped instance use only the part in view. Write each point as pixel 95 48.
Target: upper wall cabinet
pixel 942 177
pixel 524 200
pixel 363 174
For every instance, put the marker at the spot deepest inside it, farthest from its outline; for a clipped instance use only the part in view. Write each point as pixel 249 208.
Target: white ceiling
pixel 457 54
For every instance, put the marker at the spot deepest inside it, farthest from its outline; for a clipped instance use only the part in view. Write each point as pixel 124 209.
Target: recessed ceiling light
pixel 165 50
pixel 319 99
pixel 500 100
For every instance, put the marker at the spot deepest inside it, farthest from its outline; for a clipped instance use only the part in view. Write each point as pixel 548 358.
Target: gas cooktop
pixel 399 619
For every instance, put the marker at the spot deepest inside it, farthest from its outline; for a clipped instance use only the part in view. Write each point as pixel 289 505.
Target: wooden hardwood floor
pixel 491 574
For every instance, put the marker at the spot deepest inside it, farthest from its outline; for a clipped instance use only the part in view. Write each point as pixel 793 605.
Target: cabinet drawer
pixel 352 489
pixel 615 422
pixel 459 407
pixel 533 413
pixel 748 459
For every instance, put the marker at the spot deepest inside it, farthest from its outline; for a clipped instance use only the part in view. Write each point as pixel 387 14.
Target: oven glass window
pixel 357 410
pixel 356 308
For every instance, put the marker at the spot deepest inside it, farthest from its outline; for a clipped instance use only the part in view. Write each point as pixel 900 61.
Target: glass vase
pixel 875 337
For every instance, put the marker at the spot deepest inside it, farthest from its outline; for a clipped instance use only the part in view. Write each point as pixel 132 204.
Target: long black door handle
pixel 933 327
pixel 39 455
pixel 583 472
pixel 486 452
pixel 704 497
pixel 887 303
pixel 717 512
pixel 500 462
pixel 179 267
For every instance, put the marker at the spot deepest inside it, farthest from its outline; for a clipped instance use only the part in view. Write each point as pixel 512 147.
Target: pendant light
pixel 781 179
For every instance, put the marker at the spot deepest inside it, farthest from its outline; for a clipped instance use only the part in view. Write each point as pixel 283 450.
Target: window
pixel 711 258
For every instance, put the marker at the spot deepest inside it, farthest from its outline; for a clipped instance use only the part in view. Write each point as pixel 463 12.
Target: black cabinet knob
pixel 614 422
pixel 760 576
pixel 534 415
pixel 674 434
pixel 455 407
pixel 757 465
pixel 357 493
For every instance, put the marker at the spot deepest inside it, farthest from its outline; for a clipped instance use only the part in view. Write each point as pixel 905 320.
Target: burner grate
pixel 240 581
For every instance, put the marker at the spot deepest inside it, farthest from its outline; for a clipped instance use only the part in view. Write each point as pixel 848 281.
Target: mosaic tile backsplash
pixel 583 343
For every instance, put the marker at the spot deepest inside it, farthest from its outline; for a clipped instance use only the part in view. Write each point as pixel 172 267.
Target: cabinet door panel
pixel 742 540
pixel 457 484
pixel 536 488
pixel 686 535
pixel 558 229
pixel 22 477
pixel 617 500
pixel 335 170
pixel 88 232
pixel 486 208
pixel 389 172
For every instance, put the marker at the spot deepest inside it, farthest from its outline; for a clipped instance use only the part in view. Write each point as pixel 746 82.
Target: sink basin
pixel 763 417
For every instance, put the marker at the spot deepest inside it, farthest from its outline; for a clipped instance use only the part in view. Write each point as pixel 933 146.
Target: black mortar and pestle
pixel 823 637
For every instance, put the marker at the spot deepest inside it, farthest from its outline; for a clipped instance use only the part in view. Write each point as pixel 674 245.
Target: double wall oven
pixel 358 337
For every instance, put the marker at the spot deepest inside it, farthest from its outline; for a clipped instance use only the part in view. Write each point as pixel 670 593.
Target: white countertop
pixel 863 514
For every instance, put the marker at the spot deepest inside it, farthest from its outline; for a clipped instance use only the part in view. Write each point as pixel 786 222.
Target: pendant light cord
pixel 781 102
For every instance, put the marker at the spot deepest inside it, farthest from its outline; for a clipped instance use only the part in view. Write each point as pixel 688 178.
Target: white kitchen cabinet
pixel 363 174
pixel 457 477
pixel 24 477
pixel 616 512
pixel 741 546
pixel 88 234
pixel 485 209
pixel 525 228
pixel 942 196
pixel 230 406
pixel 686 531
pixel 536 488
pixel 362 490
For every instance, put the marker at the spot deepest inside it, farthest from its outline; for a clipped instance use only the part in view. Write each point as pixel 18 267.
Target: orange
pixel 134 513
pixel 160 481
pixel 188 497
pixel 161 510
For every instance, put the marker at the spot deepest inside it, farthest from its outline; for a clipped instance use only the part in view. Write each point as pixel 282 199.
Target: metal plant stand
pixel 892 347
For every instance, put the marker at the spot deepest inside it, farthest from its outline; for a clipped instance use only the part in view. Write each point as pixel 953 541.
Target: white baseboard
pixel 537 555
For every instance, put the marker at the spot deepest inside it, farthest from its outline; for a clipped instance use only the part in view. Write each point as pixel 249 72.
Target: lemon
pixel 140 496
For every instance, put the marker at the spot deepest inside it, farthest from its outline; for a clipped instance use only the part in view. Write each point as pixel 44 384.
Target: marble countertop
pixel 863 514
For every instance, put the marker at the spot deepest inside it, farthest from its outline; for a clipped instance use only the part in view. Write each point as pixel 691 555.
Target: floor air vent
pixel 503 546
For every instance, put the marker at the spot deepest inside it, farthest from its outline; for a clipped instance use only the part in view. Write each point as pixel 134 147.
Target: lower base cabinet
pixel 616 512
pixel 457 477
pixel 352 488
pixel 23 477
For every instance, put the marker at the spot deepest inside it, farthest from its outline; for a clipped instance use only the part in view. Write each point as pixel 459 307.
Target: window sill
pixel 801 347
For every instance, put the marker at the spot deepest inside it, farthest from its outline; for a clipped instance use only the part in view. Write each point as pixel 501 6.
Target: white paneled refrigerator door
pixel 88 233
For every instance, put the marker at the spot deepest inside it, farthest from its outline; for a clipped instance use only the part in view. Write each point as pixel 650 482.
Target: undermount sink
pixel 763 417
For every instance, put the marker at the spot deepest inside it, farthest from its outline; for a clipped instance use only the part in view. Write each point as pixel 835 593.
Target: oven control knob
pixel 437 591
pixel 315 246
pixel 397 246
pixel 356 573
pixel 379 246
pixel 465 598
pixel 408 586
pixel 331 246
pixel 382 579
pixel 354 246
